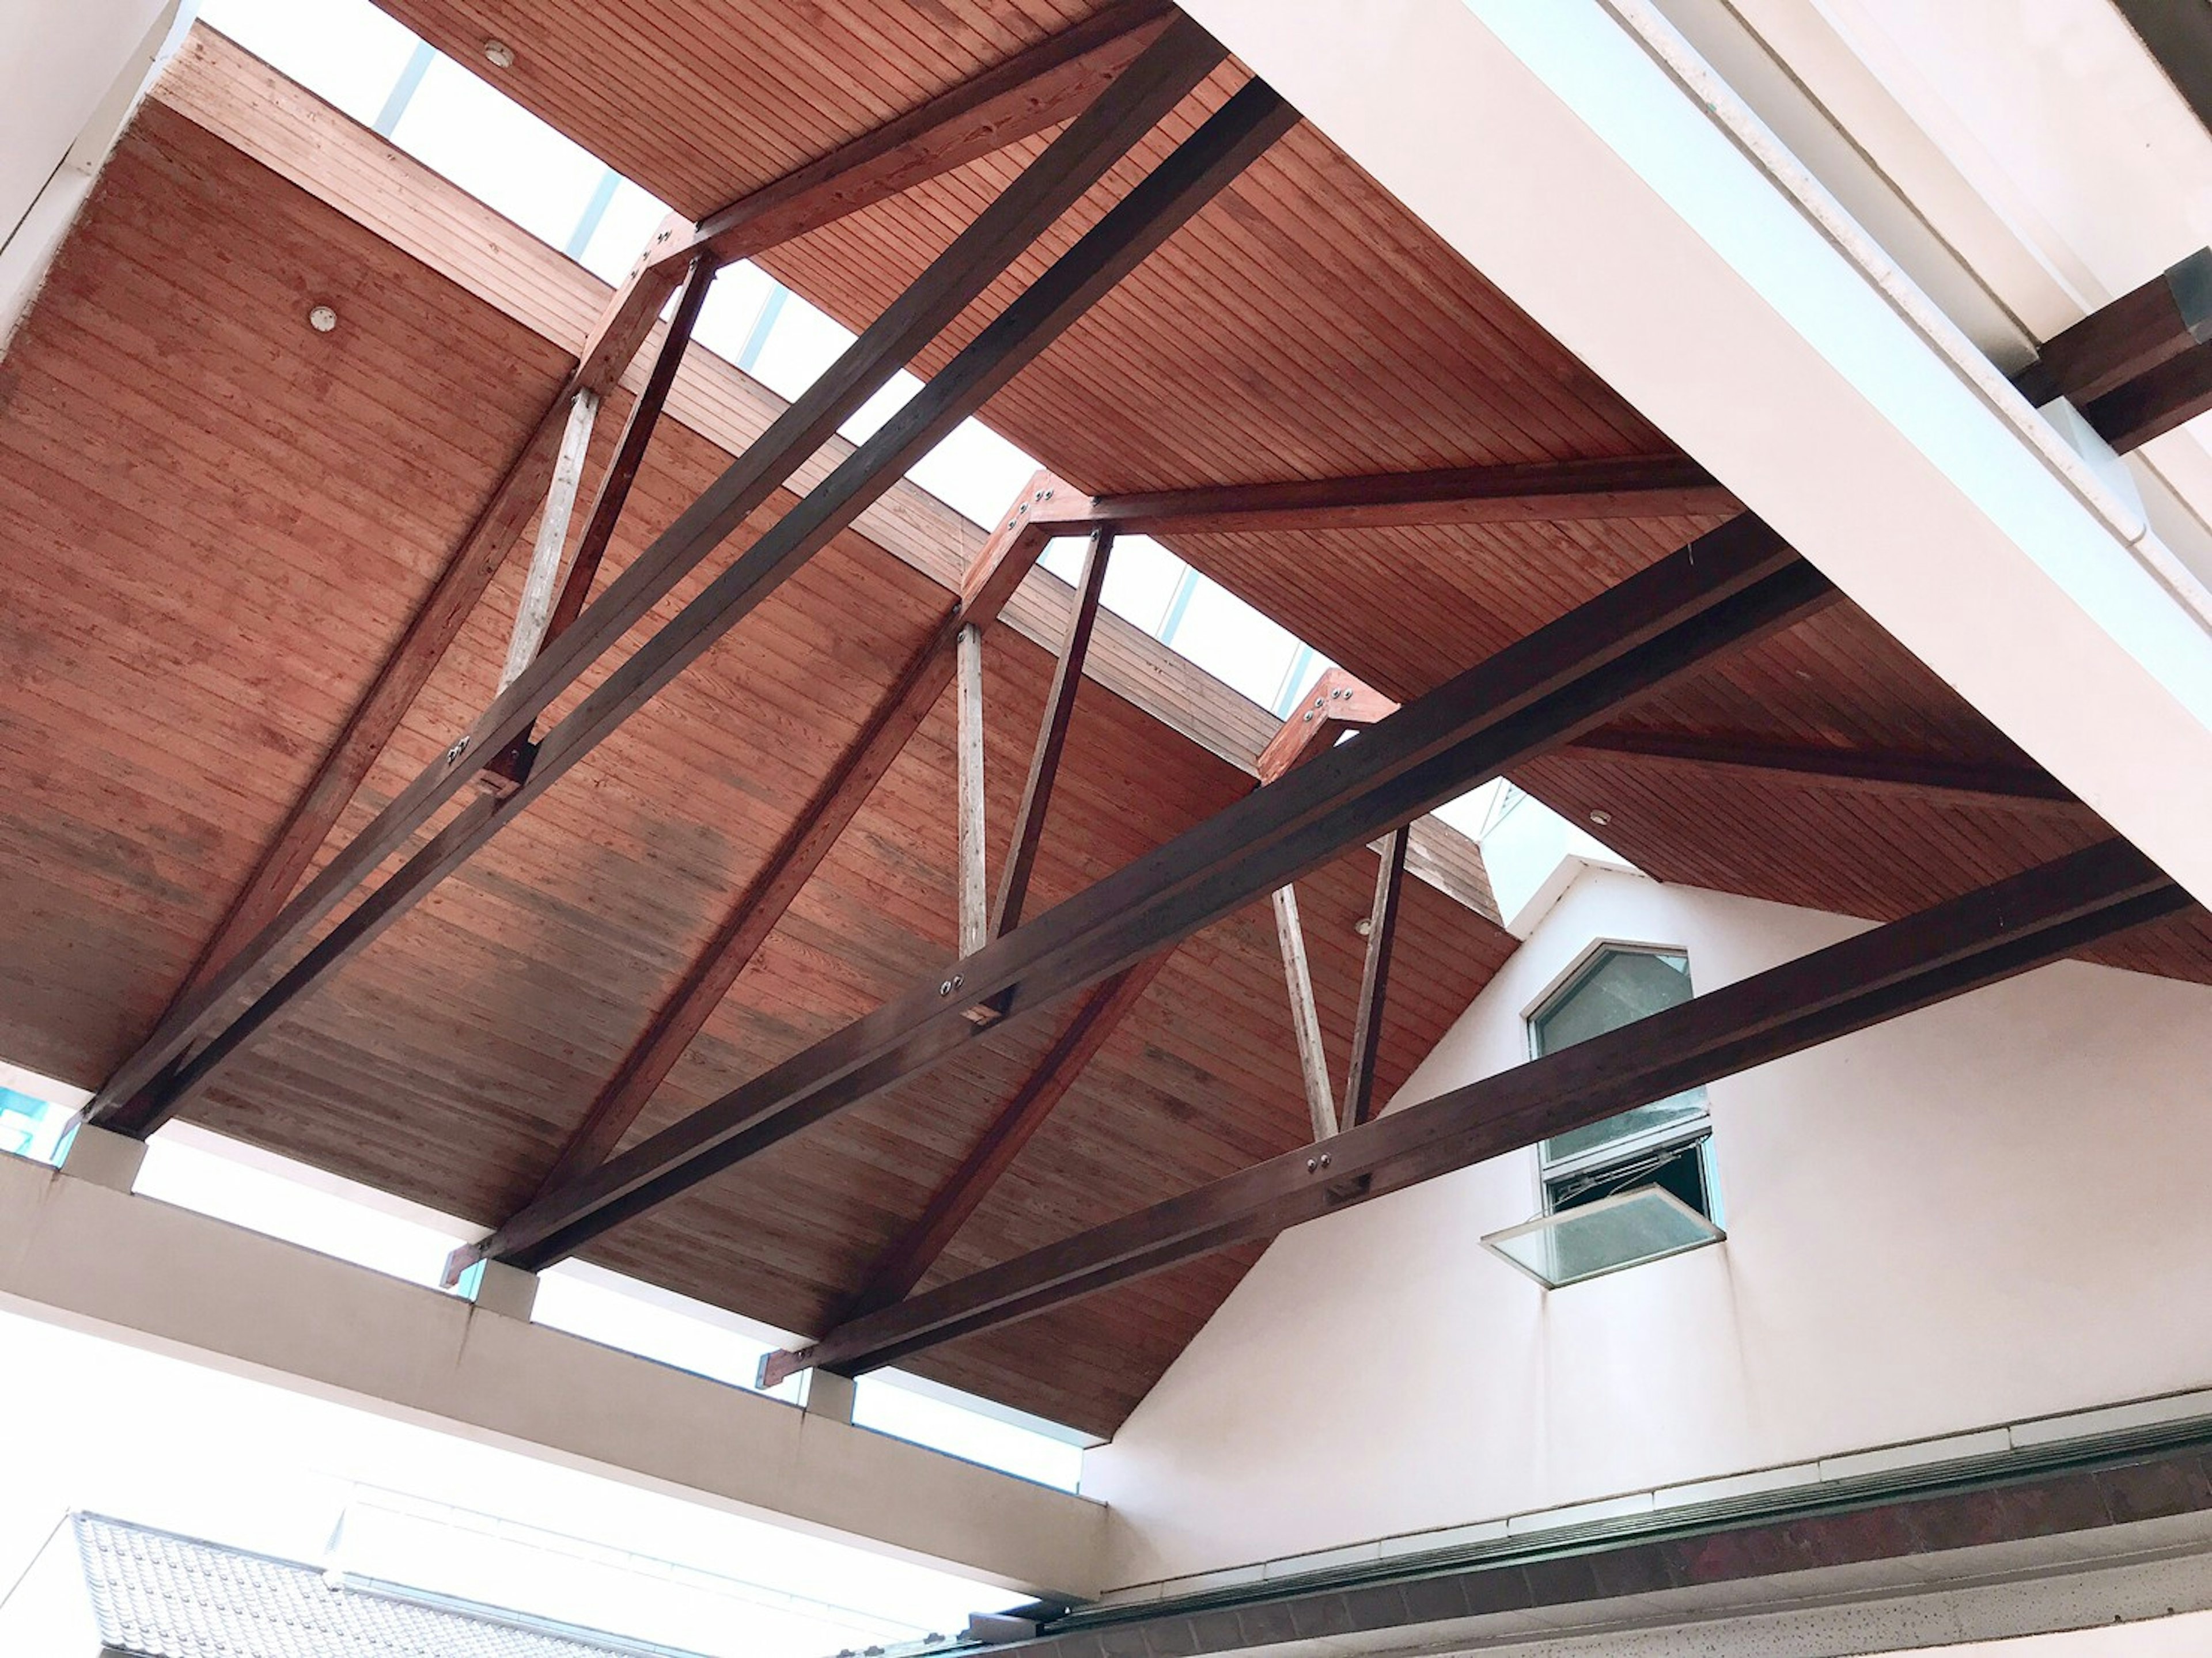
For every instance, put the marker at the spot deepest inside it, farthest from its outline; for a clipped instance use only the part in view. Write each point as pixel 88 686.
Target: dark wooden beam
pixel 2179 36
pixel 1914 777
pixel 900 1267
pixel 2171 395
pixel 1052 737
pixel 1337 703
pixel 1945 951
pixel 629 453
pixel 1734 586
pixel 1031 91
pixel 145 1089
pixel 1648 487
pixel 1374 982
pixel 2168 317
pixel 769 895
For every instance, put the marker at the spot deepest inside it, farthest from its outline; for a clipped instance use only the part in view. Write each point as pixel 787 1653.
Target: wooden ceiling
pixel 1307 325
pixel 216 522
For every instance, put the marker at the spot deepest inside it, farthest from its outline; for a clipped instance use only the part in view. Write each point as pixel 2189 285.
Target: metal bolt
pixel 1324 1159
pixel 1312 1164
pixel 460 747
pixel 956 981
pixel 944 989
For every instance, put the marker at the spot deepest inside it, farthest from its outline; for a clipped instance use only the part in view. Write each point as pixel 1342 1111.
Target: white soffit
pixel 1545 143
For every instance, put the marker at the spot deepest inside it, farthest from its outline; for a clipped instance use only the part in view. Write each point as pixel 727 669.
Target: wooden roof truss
pixel 1111 79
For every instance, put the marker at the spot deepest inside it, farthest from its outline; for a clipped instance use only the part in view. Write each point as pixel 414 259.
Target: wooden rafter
pixel 150 1085
pixel 1305 1016
pixel 1736 585
pixel 1052 738
pixel 1375 983
pixel 997 570
pixel 902 1266
pixel 1915 777
pixel 1029 94
pixel 1337 703
pixel 1987 935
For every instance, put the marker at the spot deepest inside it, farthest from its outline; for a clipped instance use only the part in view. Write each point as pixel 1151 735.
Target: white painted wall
pixel 71 72
pixel 1606 197
pixel 1986 1211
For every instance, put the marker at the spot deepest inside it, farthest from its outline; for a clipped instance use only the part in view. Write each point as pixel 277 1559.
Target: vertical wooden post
pixel 1052 738
pixel 1374 982
pixel 535 609
pixel 975 905
pixel 1305 1017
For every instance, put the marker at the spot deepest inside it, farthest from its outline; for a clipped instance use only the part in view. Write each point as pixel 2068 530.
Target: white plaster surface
pixel 1545 145
pixel 1985 1213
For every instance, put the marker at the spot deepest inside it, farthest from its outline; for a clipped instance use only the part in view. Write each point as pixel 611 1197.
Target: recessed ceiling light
pixel 1601 818
pixel 1364 926
pixel 499 54
pixel 322 320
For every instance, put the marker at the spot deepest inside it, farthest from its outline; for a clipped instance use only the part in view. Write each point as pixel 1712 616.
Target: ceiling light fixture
pixel 322 320
pixel 1601 818
pixel 499 54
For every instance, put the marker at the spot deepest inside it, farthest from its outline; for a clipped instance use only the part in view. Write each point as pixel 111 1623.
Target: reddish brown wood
pixel 2122 341
pixel 1052 737
pixel 1977 939
pixel 1031 91
pixel 1923 777
pixel 1178 59
pixel 1337 703
pixel 629 453
pixel 399 680
pixel 2171 395
pixel 1374 982
pixel 903 1265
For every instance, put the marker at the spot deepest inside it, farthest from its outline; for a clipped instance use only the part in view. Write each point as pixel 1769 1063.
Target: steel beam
pixel 1729 587
pixel 149 1085
pixel 1986 936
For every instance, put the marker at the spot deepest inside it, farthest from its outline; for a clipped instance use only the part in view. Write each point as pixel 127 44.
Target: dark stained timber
pixel 1052 737
pixel 1944 951
pixel 1175 63
pixel 1727 588
pixel 1374 982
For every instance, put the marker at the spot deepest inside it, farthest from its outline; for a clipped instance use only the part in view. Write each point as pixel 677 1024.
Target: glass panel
pixel 1618 987
pixel 1234 642
pixel 349 52
pixel 1645 1224
pixel 499 152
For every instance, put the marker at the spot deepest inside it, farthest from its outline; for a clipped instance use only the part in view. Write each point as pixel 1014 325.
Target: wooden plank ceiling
pixel 215 520
pixel 1307 326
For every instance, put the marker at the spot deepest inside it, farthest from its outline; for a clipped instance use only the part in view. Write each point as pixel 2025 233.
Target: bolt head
pixel 1311 1164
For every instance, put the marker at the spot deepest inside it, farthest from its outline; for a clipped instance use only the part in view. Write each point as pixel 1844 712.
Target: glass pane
pixel 347 50
pixel 1618 987
pixel 497 151
pixel 1637 1226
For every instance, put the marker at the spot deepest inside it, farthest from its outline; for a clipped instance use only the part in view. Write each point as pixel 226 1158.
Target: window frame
pixel 1662 1137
